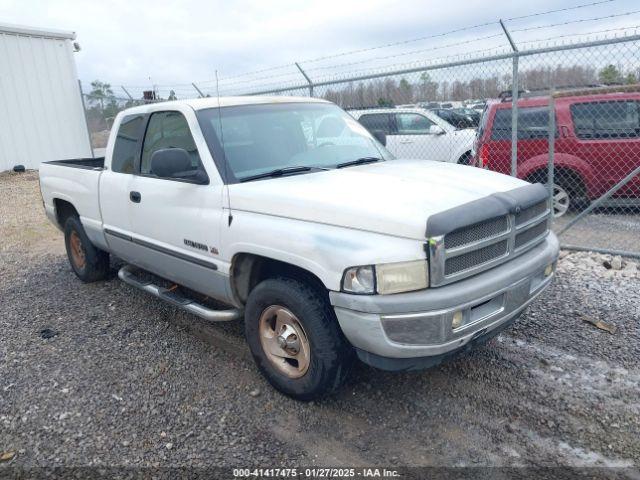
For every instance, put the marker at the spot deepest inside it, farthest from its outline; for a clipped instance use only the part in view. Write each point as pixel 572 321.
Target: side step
pixel 127 276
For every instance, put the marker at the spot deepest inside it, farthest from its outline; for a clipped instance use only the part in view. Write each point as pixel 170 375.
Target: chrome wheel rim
pixel 77 250
pixel 284 341
pixel 561 201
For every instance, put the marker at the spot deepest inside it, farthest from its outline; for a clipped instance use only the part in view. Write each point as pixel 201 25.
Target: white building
pixel 41 113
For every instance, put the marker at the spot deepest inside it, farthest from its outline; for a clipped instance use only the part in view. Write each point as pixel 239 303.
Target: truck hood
pixel 392 198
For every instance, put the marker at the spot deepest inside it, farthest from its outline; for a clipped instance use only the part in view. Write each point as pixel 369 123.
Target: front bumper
pixel 415 325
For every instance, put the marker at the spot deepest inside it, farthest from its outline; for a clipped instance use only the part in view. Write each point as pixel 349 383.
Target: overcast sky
pixel 128 42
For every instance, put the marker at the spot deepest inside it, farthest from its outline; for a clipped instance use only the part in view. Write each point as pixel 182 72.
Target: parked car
pixel 328 249
pixel 472 115
pixel 419 133
pixel 457 118
pixel 429 105
pixel 597 144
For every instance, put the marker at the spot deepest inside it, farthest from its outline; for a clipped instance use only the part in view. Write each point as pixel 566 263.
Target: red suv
pixel 597 145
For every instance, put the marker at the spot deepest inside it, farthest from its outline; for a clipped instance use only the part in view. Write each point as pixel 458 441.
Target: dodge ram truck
pixel 292 216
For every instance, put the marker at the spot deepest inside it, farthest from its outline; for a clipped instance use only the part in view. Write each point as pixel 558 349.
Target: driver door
pixel 176 222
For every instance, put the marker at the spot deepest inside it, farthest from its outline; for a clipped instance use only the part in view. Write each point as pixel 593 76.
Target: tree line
pixel 102 105
pixel 391 91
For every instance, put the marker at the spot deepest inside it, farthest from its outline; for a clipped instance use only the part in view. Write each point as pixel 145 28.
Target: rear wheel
pixel 569 192
pixel 295 339
pixel 561 200
pixel 89 263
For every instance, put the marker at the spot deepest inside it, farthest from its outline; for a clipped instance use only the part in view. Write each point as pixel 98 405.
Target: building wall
pixel 41 112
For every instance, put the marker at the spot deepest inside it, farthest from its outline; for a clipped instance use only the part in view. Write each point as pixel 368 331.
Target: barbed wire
pixel 581 20
pixel 431 63
pixel 566 9
pixel 414 52
pixel 296 73
pixel 359 62
pixel 586 34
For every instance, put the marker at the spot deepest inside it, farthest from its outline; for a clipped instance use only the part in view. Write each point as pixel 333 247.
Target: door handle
pixel 406 142
pixel 135 197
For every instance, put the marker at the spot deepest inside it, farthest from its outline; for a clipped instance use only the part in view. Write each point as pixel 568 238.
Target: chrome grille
pixel 475 258
pixel 472 249
pixel 531 212
pixel 476 232
pixel 530 234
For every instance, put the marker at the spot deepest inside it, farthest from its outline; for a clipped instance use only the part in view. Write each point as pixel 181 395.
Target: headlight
pixel 387 278
pixel 359 280
pixel 402 277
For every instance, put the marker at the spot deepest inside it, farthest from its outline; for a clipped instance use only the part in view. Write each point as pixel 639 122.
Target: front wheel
pixel 295 339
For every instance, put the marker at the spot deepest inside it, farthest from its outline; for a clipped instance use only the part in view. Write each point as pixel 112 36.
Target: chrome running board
pixel 127 275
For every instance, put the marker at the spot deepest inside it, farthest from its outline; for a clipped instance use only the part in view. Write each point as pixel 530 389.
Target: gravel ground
pixel 608 228
pixel 127 381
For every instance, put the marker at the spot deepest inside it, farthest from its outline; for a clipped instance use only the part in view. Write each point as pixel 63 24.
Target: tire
pixel 568 192
pixel 465 159
pixel 561 200
pixel 568 195
pixel 305 315
pixel 89 263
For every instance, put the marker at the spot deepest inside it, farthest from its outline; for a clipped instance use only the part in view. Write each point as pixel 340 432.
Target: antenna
pixel 224 153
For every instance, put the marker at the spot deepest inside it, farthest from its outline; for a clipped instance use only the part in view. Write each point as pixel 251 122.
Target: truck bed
pixel 75 182
pixel 86 163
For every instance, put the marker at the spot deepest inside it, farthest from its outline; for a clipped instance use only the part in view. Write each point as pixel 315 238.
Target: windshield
pixel 256 139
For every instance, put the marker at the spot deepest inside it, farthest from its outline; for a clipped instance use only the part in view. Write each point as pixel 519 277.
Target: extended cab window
pixel 412 124
pixel 618 119
pixel 533 123
pixel 377 122
pixel 167 130
pixel 126 145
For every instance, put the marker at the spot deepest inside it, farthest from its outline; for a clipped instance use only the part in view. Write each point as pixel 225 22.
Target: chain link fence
pixel 576 125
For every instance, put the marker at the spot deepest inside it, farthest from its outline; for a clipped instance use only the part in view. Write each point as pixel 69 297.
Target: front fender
pixel 321 249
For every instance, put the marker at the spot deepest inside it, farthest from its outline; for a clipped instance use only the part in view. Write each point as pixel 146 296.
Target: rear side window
pixel 618 119
pixel 377 122
pixel 167 130
pixel 412 124
pixel 125 148
pixel 533 122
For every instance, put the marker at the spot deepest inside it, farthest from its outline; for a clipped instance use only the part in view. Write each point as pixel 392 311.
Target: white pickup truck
pixel 291 215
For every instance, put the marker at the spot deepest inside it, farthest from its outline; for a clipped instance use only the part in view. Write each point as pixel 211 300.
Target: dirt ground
pixel 102 375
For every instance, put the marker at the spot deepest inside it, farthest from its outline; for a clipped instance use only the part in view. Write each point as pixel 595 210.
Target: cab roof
pixel 215 102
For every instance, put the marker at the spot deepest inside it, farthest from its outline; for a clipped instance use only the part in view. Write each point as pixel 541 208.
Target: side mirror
pixel 436 130
pixel 176 163
pixel 380 136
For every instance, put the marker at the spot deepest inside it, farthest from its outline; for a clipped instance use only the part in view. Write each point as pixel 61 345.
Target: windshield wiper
pixel 279 172
pixel 360 161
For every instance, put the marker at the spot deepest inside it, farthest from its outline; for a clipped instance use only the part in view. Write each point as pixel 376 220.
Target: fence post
pixel 514 103
pixel 306 78
pixel 86 120
pixel 198 90
pixel 552 148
